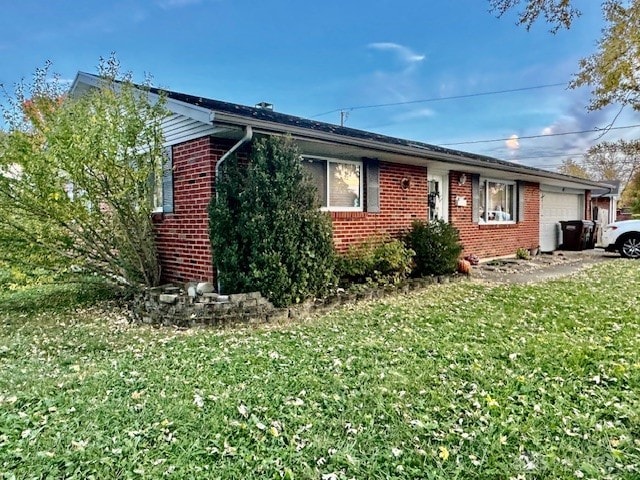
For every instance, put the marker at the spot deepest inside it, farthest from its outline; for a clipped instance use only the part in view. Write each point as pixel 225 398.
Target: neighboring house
pixel 369 183
pixel 604 202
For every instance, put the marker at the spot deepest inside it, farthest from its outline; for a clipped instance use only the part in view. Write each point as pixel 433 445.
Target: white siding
pixel 180 128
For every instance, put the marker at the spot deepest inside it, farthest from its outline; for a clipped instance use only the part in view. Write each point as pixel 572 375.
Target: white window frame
pixel 514 201
pixel 328 161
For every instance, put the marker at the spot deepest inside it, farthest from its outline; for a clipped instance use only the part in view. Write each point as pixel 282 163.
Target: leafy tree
pixel 558 13
pixel 574 169
pixel 614 160
pixel 75 182
pixel 618 160
pixel 267 231
pixel 631 194
pixel 606 161
pixel 612 71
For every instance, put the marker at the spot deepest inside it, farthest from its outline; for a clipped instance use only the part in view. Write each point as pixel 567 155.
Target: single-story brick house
pixel 369 183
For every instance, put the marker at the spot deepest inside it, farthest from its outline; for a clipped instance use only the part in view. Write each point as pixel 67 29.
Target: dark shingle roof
pixel 267 115
pixel 283 120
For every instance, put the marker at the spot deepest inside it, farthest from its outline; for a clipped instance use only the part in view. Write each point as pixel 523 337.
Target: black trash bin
pixel 597 227
pixel 589 234
pixel 577 234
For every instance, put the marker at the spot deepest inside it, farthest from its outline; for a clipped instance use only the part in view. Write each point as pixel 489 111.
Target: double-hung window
pixel 497 201
pixel 339 183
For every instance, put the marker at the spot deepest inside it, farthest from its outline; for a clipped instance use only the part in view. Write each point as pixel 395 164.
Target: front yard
pixel 459 381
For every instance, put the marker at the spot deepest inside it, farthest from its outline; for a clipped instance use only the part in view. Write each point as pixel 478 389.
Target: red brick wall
pixel 601 202
pixel 604 203
pixel 493 240
pixel 182 237
pixel 398 207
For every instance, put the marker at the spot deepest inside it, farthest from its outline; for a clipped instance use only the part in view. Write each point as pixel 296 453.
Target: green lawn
pixel 459 381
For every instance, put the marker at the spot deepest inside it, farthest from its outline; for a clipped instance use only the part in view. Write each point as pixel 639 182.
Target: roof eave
pixel 451 156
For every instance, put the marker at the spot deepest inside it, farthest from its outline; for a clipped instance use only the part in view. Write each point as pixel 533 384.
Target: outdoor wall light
pixel 405 183
pixel 463 179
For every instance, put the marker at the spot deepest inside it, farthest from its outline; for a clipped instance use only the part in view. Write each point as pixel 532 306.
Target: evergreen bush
pixel 437 246
pixel 267 231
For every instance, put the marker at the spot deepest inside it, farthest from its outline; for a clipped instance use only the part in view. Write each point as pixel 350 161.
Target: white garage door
pixel 555 207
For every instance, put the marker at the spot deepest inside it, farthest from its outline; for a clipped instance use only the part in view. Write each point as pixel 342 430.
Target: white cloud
pixel 513 142
pixel 404 53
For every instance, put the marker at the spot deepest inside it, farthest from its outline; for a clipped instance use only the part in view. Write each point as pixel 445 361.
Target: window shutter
pixel 167 181
pixel 372 170
pixel 475 198
pixel 520 201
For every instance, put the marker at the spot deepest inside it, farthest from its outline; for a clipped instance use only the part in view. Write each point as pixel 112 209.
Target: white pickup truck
pixel 623 237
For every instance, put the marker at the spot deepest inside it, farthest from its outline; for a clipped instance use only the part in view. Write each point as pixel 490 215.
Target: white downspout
pixel 248 135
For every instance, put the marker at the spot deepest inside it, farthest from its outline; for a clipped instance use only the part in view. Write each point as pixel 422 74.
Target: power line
pixel 557 155
pixel 594 130
pixel 437 99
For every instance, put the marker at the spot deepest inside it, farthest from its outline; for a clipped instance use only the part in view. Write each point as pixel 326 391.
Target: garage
pixel 557 205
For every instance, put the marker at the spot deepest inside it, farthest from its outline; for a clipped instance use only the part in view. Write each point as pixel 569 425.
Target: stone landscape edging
pixel 173 305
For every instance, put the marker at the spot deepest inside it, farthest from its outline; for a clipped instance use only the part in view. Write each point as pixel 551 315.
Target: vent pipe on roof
pixel 265 105
pixel 248 135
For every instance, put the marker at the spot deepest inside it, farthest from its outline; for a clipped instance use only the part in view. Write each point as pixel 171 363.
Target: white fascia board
pixel 416 151
pixel 546 187
pixel 200 114
pixel 84 81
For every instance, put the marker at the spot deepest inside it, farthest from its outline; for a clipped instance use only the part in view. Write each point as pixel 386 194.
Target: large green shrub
pixel 266 228
pixel 437 246
pixel 75 176
pixel 378 259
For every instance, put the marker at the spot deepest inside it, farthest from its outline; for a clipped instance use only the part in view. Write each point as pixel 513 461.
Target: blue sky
pixel 308 58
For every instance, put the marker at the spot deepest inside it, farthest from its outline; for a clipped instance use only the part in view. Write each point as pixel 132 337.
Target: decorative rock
pixel 250 302
pixel 263 301
pixel 192 292
pixel 238 297
pixel 212 295
pixel 168 298
pixel 204 287
pixel 223 298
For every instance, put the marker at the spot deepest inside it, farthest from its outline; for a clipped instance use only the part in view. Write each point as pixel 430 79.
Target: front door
pixel 437 196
